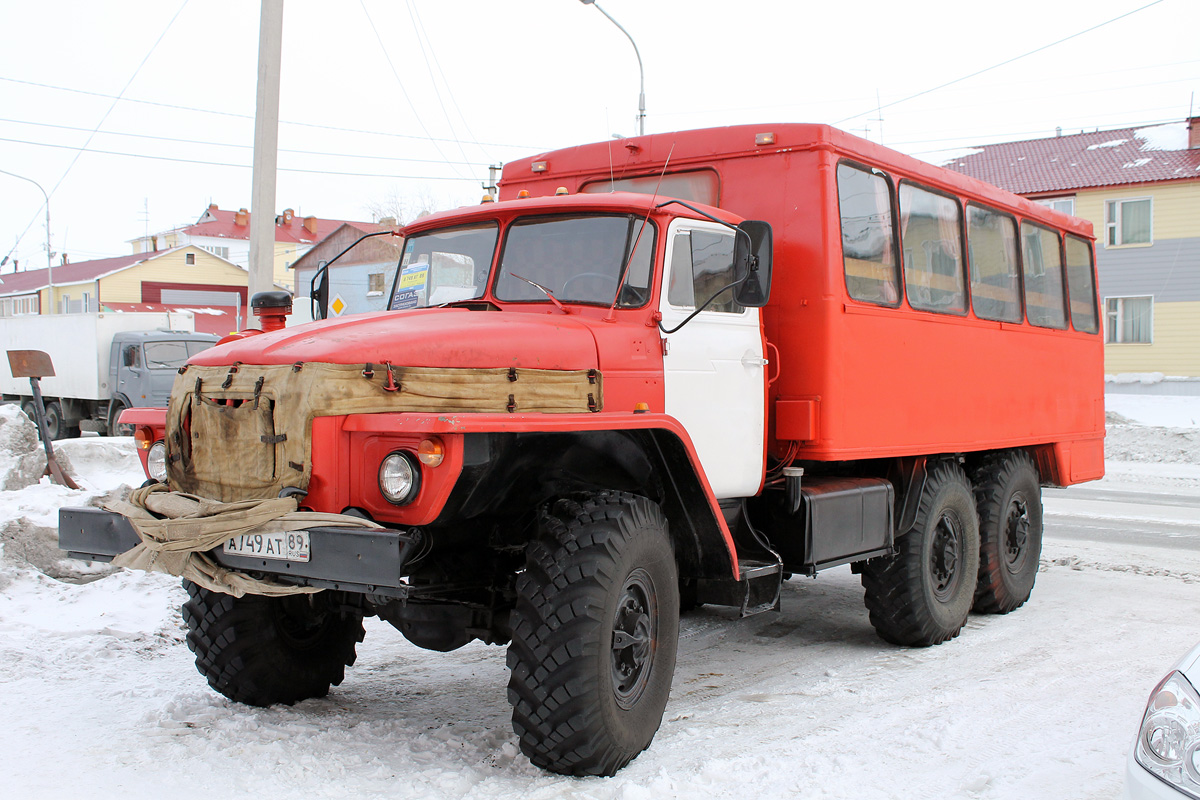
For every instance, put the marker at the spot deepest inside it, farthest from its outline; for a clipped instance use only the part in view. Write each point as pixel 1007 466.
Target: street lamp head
pixel 587 2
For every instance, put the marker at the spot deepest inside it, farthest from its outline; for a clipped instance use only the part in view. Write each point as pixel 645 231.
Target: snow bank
pixel 22 460
pixel 1165 411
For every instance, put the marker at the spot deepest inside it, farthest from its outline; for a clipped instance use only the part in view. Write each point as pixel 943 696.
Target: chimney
pixel 64 259
pixel 1194 133
pixel 1058 131
pixel 288 214
pixel 242 218
pixel 310 225
pixel 212 207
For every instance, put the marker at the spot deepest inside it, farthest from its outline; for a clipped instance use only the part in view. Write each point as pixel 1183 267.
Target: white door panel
pixel 715 377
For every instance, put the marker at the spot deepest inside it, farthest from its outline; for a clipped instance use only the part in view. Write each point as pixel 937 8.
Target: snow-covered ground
pixel 100 697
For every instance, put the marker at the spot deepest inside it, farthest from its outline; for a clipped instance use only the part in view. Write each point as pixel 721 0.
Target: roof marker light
pixel 560 191
pixel 487 198
pixel 761 139
pixel 540 166
pixel 523 194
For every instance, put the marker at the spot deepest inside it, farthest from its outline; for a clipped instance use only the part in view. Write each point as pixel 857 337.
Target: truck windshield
pixel 444 266
pixel 579 259
pixel 172 355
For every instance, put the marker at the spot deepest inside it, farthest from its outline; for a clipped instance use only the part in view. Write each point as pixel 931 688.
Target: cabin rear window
pixel 699 186
pixel 1081 285
pixel 868 236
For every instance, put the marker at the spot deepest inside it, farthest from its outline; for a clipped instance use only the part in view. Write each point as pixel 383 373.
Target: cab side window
pixel 701 266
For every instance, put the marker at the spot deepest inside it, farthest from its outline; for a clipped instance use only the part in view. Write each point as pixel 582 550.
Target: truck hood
pixel 431 337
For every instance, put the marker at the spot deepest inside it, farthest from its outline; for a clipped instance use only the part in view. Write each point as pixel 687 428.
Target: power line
pixel 209 143
pixel 236 115
pixel 236 166
pixel 1001 64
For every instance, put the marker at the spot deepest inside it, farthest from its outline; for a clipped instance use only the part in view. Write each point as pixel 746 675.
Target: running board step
pixel 755 592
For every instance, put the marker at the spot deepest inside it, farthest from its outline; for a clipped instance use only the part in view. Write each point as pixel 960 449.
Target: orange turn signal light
pixel 144 437
pixel 431 452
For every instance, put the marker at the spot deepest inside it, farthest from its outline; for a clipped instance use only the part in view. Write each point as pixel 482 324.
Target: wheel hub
pixel 634 638
pixel 1016 534
pixel 946 557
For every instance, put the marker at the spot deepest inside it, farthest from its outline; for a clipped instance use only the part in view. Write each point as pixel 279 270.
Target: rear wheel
pixel 921 596
pixel 595 632
pixel 266 650
pixel 56 426
pixel 1008 493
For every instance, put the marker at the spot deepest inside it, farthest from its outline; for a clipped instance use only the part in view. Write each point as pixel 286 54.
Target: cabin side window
pixel 995 280
pixel 868 236
pixel 931 235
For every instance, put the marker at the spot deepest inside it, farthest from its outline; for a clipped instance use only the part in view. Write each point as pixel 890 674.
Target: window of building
pixel 1065 205
pixel 701 265
pixel 375 283
pixel 1128 222
pixel 995 279
pixel 189 258
pixel 868 237
pixel 223 252
pixel 1042 263
pixel 1081 285
pixel 931 235
pixel 1129 320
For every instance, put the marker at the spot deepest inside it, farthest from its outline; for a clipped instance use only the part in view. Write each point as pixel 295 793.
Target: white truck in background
pixel 104 363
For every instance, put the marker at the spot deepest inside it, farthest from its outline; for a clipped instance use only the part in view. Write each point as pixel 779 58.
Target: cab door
pixel 714 369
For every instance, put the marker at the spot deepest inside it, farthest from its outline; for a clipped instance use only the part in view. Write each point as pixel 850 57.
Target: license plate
pixel 291 546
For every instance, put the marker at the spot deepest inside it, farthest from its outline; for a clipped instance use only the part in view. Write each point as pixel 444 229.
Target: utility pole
pixel 266 149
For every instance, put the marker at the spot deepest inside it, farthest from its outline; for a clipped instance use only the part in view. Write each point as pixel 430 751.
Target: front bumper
pixel 349 559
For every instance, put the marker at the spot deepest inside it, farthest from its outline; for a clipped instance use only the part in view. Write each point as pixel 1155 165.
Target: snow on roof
pixel 1085 160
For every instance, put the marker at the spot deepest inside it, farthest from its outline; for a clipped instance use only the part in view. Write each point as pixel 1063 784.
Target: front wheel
pixel 921 596
pixel 115 428
pixel 595 632
pixel 266 650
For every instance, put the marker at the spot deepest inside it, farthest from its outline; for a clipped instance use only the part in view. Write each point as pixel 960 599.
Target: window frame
pixel 963 274
pixel 1116 328
pixel 1115 226
pixel 894 209
pixel 1049 202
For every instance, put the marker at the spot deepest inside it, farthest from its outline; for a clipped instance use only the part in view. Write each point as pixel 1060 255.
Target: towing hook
pixel 391 385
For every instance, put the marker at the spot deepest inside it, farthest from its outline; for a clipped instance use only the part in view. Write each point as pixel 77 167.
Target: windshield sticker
pixel 406 298
pixel 408 251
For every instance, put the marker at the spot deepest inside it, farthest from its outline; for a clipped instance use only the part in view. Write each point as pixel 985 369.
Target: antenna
pixel 879 111
pixel 636 241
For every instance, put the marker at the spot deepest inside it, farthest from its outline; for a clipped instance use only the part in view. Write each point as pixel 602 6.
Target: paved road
pixel 1138 518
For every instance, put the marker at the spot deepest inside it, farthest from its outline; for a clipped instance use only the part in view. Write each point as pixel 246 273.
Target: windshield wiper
pixel 544 291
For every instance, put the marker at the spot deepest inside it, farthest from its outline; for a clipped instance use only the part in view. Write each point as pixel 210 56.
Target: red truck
pixel 661 372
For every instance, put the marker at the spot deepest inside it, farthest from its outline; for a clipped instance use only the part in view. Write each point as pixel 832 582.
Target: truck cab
pixel 142 368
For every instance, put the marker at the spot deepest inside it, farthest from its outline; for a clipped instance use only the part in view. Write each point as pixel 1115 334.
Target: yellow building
pixel 181 277
pixel 1140 189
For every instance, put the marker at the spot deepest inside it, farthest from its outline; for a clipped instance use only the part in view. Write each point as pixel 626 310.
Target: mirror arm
pixel 707 303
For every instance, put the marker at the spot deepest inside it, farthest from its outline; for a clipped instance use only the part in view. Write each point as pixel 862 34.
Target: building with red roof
pixel 1140 188
pixel 227 234
pixel 180 278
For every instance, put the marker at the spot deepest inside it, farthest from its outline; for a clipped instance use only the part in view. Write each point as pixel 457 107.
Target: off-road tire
pixel 56 427
pixel 266 650
pixel 595 632
pixel 1008 494
pixel 921 595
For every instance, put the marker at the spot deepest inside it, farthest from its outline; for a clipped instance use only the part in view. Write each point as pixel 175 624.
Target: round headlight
pixel 156 461
pixel 399 478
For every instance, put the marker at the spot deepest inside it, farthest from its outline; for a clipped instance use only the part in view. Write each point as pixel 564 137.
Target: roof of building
pixel 224 224
pixel 369 251
pixel 32 280
pixel 1085 160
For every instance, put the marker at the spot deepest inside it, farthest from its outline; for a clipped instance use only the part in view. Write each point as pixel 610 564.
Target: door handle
pixel 751 361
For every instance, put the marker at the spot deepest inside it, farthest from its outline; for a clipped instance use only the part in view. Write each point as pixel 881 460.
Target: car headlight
pixel 1168 744
pixel 156 461
pixel 399 478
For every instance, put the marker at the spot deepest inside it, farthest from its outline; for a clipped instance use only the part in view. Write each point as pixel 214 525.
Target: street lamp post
pixel 641 71
pixel 49 266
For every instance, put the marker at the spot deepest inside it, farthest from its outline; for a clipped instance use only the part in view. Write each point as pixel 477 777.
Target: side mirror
pixel 752 263
pixel 318 292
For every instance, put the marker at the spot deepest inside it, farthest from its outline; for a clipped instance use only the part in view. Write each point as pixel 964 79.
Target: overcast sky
pixel 412 99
